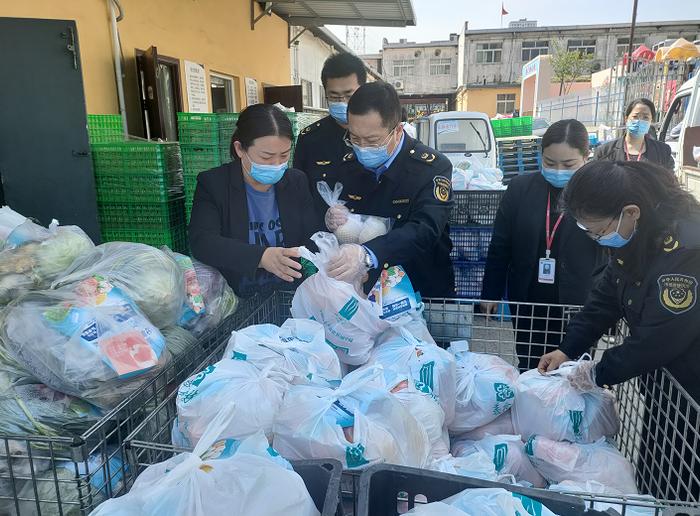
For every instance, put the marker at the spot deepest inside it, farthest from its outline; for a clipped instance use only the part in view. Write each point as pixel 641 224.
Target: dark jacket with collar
pixel 319 153
pixel 656 152
pixel 661 311
pixel 513 258
pixel 415 192
pixel 218 229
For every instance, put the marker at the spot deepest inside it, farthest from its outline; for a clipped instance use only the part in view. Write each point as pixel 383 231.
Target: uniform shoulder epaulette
pixel 310 128
pixel 423 154
pixel 686 235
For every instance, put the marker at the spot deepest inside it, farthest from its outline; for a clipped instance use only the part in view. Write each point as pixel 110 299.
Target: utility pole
pixel 630 48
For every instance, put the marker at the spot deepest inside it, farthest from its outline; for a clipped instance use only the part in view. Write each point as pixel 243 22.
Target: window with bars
pixel 403 67
pixel 307 93
pixel 623 45
pixel 532 49
pixel 582 46
pixel 440 66
pixel 488 52
pixel 505 103
pixel 322 96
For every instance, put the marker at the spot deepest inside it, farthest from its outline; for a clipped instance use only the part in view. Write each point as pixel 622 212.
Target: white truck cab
pixel 461 136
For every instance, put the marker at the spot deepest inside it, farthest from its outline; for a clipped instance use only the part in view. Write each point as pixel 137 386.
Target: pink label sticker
pixel 128 353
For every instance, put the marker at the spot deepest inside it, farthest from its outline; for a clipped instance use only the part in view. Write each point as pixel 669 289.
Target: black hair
pixel 569 131
pixel 648 103
pixel 343 65
pixel 601 189
pixel 257 121
pixel 380 97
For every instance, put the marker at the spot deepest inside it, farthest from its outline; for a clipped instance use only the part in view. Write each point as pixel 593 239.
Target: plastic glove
pixel 349 265
pixel 336 216
pixel 583 377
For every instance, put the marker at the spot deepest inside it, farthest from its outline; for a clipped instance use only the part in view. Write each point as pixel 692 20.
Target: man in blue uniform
pixel 321 146
pixel 389 174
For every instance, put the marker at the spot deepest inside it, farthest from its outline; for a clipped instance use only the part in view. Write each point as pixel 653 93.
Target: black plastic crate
pixel 475 207
pixel 385 489
pixel 470 244
pixel 469 277
pixel 322 480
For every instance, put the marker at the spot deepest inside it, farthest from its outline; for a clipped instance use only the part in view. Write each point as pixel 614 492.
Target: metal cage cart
pixel 655 411
pixel 66 474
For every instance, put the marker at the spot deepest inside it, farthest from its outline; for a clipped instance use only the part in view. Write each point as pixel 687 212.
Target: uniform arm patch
pixel 678 292
pixel 443 188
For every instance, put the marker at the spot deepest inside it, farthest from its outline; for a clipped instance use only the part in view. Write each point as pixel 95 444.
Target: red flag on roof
pixel 503 10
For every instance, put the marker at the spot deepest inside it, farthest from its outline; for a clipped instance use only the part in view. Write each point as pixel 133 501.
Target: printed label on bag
pixel 223 449
pixel 393 293
pixel 355 456
pixel 576 417
pixel 128 353
pixel 500 452
pixel 350 309
pixel 344 416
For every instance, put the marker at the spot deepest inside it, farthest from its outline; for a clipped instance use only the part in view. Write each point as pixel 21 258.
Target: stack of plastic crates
pixel 519 155
pixel 471 227
pixel 201 144
pixel 299 122
pixel 510 127
pixel 227 126
pixel 140 193
pixel 105 128
pixel 61 473
pixel 649 406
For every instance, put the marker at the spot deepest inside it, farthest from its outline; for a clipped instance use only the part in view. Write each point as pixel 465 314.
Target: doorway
pixel 159 91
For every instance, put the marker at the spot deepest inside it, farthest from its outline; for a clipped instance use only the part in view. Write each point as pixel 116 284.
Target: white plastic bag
pixel 508 455
pixel 547 405
pixel 358 423
pixel 257 395
pixel 599 461
pixel 149 276
pixel 221 476
pixel 475 465
pixel 298 347
pixel 485 388
pixel 9 220
pixel 351 322
pixel 429 365
pixel 502 425
pixel 358 229
pixel 484 502
pixel 87 340
pixel 635 505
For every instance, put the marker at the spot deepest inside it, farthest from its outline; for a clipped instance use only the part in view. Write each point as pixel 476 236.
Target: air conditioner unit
pixel 398 85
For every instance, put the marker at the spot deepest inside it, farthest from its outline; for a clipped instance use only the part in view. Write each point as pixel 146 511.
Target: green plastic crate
pixel 156 216
pixel 227 126
pixel 197 158
pixel 198 128
pixel 139 186
pixel 105 128
pixel 174 238
pixel 225 154
pixel 135 156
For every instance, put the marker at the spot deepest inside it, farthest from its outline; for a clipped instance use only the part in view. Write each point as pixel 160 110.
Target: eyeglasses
pixel 338 98
pixel 351 139
pixel 598 236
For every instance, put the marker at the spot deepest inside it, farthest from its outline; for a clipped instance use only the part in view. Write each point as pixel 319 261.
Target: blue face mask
pixel 267 174
pixel 339 111
pixel 615 239
pixel 372 157
pixel 638 127
pixel 557 178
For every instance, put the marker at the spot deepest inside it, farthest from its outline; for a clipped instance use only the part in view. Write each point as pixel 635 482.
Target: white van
pixel 684 112
pixel 461 136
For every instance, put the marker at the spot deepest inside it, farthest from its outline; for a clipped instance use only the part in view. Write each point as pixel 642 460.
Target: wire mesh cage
pixel 658 419
pixel 51 473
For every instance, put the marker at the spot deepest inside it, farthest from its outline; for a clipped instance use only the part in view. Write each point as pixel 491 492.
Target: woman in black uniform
pixel 652 226
pixel 537 255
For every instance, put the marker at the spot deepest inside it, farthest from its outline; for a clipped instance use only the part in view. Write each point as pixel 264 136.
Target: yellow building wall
pixel 213 33
pixel 484 99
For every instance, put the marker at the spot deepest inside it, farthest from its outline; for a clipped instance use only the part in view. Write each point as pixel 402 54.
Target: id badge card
pixel 547 270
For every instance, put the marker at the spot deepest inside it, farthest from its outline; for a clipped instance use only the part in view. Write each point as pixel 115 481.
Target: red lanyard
pixel 550 235
pixel 639 156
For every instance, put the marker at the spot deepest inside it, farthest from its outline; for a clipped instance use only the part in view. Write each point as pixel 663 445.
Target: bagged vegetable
pixel 358 423
pixel 351 322
pixel 88 340
pixel 475 465
pixel 547 405
pixel 298 347
pixel 34 256
pixel 484 502
pixel 220 476
pixel 599 461
pixel 193 307
pixel 485 388
pixel 178 341
pixel 149 276
pixel 430 366
pixel 219 300
pixel 635 505
pixel 502 425
pixel 9 220
pixel 256 394
pixel 358 229
pixel 508 455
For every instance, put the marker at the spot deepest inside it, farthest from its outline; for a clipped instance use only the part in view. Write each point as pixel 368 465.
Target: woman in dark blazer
pixel 537 254
pixel 250 216
pixel 636 144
